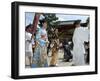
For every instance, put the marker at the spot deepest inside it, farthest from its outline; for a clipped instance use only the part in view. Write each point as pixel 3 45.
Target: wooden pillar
pixel 35 22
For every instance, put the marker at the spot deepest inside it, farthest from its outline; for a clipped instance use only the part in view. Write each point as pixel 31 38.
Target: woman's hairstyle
pixel 28 26
pixel 42 21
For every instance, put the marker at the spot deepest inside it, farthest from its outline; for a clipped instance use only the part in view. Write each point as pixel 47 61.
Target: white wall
pixel 5 40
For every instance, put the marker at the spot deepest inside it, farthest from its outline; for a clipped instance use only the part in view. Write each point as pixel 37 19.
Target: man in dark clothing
pixel 67 52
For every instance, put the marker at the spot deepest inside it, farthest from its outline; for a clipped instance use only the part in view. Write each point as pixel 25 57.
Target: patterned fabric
pixel 40 54
pixel 40 57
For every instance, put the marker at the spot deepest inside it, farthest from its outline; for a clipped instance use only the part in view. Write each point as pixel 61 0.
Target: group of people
pixel 36 46
pixel 78 50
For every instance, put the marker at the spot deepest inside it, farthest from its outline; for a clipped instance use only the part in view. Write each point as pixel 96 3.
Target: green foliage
pixel 51 20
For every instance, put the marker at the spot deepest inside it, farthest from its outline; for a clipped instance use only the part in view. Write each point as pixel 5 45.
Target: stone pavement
pixel 61 61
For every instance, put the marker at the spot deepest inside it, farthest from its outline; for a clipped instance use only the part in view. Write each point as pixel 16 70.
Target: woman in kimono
pixel 79 37
pixel 40 55
pixel 55 48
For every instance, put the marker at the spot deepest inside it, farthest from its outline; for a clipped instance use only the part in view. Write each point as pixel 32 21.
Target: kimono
pixel 54 58
pixel 79 37
pixel 40 55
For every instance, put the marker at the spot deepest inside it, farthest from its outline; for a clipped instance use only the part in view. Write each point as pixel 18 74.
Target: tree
pixel 51 20
pixel 52 23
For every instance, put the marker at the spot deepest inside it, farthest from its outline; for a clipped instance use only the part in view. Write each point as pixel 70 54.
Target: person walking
pixel 79 37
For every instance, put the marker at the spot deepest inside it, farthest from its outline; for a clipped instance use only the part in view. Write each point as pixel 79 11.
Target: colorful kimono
pixel 40 55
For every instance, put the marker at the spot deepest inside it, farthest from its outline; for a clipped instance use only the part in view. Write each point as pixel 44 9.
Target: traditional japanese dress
pixel 79 37
pixel 40 55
